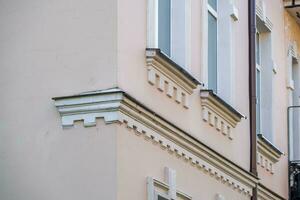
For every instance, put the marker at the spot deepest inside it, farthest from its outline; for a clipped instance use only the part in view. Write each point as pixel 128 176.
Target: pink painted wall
pixel 132 77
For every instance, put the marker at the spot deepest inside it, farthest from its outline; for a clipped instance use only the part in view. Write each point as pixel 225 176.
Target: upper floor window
pixel 293 84
pixel 264 80
pixel 220 52
pixel 258 83
pixel 295 132
pixel 212 44
pixel 169 29
pixel 257 49
pixel 164 26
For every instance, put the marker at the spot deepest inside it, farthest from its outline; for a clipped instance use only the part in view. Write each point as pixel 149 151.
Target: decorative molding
pixel 290 84
pixel 169 78
pixel 218 113
pixel 188 156
pixel 264 193
pixel 267 154
pixel 87 107
pixel 265 163
pixel 275 67
pixel 293 50
pixel 263 21
pixel 234 12
pixel 114 105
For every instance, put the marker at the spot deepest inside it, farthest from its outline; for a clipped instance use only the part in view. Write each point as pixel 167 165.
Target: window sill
pixel 169 78
pixel 218 113
pixel 268 154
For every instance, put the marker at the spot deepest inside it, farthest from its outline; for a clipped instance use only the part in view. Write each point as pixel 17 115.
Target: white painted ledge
pixel 218 113
pixel 234 12
pixel 87 107
pixel 267 154
pixel 169 78
pixel 263 21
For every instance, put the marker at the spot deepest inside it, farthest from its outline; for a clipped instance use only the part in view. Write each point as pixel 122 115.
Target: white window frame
pixel 170 191
pixel 152 29
pixel 212 11
pixel 230 11
pixel 156 194
pixel 259 54
pixel 265 66
pixel 258 67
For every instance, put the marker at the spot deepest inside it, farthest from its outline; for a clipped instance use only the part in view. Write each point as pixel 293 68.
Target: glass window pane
pixel 212 52
pixel 213 4
pixel 164 26
pixel 161 198
pixel 258 114
pixel 257 49
pixel 178 42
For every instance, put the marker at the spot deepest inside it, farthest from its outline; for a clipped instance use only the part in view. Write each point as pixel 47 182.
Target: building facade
pixel 149 99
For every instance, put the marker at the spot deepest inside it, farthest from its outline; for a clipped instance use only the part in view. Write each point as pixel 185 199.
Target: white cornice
pixel 264 21
pixel 267 155
pixel 115 106
pixel 218 113
pixel 87 107
pixel 169 78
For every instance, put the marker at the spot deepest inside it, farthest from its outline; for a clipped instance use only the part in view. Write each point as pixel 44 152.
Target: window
pixel 258 84
pixel 264 81
pixel 220 63
pixel 212 44
pixel 164 26
pixel 257 49
pixel 169 29
pixel 296 112
pixel 161 197
pixel 293 86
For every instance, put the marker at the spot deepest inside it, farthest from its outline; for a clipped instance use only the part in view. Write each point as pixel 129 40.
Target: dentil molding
pixel 267 154
pixel 115 106
pixel 218 113
pixel 169 78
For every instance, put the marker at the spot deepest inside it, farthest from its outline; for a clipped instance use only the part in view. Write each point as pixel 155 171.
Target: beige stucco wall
pixel 139 158
pixel 51 163
pixel 132 63
pixel 54 48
